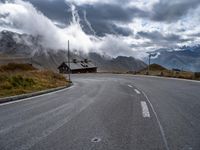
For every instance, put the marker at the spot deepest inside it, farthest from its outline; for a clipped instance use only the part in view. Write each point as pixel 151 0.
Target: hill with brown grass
pixel 18 79
pixel 158 70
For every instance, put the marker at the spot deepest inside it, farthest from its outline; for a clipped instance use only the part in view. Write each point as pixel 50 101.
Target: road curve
pixel 106 112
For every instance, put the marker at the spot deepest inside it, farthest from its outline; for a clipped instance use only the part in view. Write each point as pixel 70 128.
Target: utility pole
pixel 69 76
pixel 151 54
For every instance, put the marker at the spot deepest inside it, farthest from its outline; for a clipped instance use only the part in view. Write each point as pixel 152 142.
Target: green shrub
pixel 19 81
pixel 29 82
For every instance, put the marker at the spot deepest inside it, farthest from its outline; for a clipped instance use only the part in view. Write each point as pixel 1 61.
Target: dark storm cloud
pixel 122 30
pixel 105 16
pixel 161 39
pixel 56 10
pixel 110 12
pixel 195 35
pixel 102 27
pixel 166 10
pixel 157 36
pixel 101 16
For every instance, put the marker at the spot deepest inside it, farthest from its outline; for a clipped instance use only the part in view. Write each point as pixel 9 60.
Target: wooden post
pixel 69 63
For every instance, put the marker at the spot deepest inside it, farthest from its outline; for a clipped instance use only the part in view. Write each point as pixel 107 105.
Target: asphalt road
pixel 106 112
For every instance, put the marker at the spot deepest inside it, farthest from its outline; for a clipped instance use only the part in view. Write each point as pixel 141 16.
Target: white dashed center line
pixel 138 92
pixel 145 110
pixel 130 86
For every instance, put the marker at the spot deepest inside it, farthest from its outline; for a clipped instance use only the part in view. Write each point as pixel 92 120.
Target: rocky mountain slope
pixel 25 48
pixel 121 63
pixel 186 58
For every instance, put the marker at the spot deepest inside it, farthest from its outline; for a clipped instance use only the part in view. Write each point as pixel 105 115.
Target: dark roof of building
pixel 79 65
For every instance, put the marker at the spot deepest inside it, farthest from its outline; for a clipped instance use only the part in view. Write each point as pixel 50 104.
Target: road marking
pixel 130 86
pixel 26 99
pixel 138 92
pixel 158 121
pixel 145 110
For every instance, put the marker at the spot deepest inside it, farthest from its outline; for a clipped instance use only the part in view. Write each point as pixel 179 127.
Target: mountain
pixel 25 48
pixel 119 64
pixel 186 58
pixel 12 43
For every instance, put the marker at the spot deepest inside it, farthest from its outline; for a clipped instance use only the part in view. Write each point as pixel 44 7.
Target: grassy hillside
pixel 158 70
pixel 18 79
pixel 155 67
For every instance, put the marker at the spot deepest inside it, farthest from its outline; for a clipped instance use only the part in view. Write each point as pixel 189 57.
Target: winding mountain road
pixel 106 112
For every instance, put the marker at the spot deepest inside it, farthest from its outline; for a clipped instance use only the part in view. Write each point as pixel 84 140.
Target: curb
pixel 23 96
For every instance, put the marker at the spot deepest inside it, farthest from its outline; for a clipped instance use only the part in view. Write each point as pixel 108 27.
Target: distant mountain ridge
pixel 120 63
pixel 26 48
pixel 18 44
pixel 186 58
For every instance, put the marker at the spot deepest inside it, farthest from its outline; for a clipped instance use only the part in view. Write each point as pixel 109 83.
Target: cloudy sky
pixel 114 27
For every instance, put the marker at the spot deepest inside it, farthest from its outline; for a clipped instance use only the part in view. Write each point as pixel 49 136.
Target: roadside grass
pixel 16 79
pixel 157 70
pixel 16 67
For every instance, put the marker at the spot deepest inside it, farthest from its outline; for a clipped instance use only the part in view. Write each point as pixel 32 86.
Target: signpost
pixel 150 55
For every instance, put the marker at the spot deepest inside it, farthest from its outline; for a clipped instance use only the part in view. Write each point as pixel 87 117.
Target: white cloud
pixel 21 16
pixel 143 5
pixel 81 2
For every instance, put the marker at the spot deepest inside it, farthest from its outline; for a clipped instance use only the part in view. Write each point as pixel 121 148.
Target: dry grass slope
pixel 18 79
pixel 157 70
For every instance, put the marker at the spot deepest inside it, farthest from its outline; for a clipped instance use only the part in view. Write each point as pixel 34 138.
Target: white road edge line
pixel 145 110
pixel 158 121
pixel 138 92
pixel 26 99
pixel 130 86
